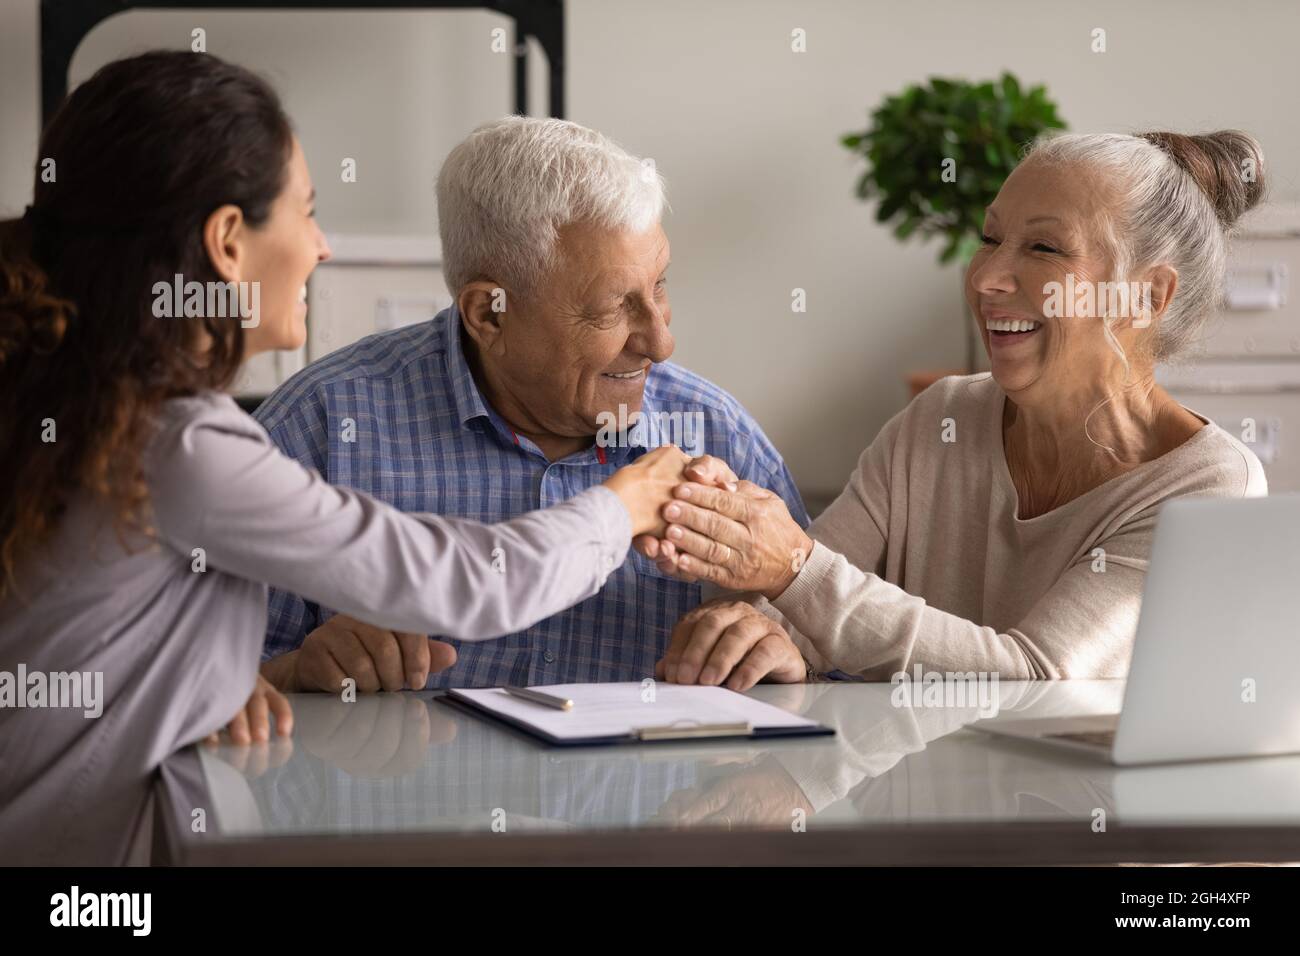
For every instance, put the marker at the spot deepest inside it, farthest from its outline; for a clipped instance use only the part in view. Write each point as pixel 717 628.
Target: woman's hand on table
pixel 253 722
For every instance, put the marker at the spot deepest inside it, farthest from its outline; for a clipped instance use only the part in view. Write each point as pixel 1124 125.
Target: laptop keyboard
pixel 1098 738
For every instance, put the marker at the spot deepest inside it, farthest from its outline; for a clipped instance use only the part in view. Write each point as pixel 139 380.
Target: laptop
pixel 1215 670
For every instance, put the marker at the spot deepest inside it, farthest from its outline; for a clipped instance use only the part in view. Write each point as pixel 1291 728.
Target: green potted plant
pixel 937 154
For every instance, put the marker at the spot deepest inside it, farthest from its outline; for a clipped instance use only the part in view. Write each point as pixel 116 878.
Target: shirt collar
pixel 470 403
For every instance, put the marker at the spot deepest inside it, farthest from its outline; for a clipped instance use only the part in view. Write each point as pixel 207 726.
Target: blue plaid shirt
pixel 399 416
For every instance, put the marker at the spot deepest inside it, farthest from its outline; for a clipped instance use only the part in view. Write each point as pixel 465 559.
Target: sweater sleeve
pixel 844 612
pixel 218 484
pixel 854 525
pixel 1082 627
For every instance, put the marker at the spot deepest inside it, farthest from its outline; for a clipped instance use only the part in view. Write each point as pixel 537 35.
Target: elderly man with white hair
pixel 548 372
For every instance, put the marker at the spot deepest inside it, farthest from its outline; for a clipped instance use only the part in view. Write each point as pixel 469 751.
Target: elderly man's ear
pixel 483 306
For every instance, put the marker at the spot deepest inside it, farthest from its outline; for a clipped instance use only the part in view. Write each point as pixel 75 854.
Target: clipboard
pixel 505 710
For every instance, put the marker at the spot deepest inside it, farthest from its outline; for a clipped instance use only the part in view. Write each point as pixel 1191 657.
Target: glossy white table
pixel 405 778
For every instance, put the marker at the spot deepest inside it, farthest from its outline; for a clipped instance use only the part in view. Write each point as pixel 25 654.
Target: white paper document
pixel 624 709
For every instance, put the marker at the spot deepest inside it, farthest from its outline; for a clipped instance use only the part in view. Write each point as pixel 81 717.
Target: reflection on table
pixel 409 762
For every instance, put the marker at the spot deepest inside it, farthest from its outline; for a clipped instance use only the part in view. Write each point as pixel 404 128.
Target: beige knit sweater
pixel 923 560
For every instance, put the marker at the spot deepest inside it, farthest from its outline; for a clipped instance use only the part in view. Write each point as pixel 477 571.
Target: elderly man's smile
pixel 634 377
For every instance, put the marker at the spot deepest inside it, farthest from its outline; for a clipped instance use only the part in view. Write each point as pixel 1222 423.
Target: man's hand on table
pixel 730 643
pixel 377 659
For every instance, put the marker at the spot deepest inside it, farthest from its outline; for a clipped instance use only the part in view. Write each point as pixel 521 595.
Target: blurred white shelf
pixel 371 283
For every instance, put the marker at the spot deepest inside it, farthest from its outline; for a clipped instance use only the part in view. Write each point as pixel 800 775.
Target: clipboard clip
pixel 684 730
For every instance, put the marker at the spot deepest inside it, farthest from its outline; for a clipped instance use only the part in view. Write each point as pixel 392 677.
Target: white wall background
pixel 746 133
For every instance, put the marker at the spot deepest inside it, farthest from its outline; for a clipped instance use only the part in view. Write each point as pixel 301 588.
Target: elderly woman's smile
pixel 1007 328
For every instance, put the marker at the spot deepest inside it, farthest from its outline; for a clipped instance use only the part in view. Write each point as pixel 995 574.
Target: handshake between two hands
pixel 697 521
pixel 692 516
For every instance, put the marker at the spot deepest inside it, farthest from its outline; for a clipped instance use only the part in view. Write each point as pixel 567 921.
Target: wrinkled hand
pixel 253 722
pixel 730 643
pixel 706 470
pixel 742 541
pixel 647 484
pixel 377 659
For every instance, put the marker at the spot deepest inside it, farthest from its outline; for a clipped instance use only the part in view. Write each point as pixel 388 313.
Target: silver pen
pixel 537 697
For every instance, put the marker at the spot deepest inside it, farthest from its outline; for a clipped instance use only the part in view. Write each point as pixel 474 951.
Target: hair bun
pixel 1228 166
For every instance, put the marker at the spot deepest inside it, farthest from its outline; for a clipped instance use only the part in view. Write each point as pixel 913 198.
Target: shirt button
pixel 548 657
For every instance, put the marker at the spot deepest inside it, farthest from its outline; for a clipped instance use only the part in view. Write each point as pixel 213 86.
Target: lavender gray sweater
pixel 177 649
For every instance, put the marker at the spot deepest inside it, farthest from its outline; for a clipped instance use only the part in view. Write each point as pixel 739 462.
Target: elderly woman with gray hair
pixel 1002 522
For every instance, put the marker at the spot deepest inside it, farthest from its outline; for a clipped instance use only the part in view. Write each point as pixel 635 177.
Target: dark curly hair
pixel 130 168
